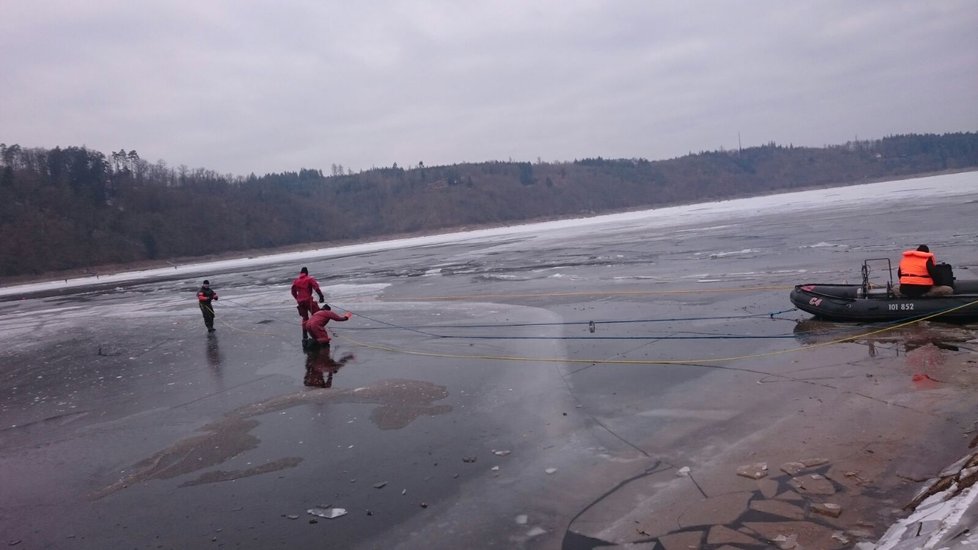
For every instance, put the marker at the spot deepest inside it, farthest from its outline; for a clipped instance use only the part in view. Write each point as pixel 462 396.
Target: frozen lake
pixel 557 385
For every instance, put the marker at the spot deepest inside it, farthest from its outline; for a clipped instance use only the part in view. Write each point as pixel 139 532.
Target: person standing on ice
pixel 205 296
pixel 316 325
pixel 302 288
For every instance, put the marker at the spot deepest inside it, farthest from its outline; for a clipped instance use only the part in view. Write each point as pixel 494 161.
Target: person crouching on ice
pixel 316 325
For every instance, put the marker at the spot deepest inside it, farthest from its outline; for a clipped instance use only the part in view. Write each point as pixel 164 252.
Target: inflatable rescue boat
pixel 869 302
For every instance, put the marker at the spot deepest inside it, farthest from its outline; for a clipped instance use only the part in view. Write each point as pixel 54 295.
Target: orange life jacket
pixel 913 268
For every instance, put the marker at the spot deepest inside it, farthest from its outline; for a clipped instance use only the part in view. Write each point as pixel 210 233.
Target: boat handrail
pixel 867 286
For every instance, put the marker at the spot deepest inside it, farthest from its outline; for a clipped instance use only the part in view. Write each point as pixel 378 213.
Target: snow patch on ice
pixel 824 244
pixel 948 513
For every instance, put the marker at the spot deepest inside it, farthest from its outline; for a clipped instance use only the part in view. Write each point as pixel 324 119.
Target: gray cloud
pixel 246 86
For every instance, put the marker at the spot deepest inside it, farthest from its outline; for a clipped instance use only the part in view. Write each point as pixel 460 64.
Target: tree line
pixel 72 208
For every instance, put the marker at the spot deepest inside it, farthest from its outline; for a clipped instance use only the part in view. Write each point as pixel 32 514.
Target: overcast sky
pixel 244 86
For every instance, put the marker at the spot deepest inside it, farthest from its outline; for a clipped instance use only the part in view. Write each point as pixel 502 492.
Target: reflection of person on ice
pixel 316 325
pixel 302 288
pixel 204 298
pixel 319 362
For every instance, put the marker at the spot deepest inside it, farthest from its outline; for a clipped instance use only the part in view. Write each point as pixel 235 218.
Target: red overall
pixel 316 325
pixel 302 289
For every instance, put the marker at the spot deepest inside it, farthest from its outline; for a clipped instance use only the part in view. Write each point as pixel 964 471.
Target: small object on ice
pixel 468 459
pixel 827 509
pixel 424 504
pixel 380 485
pixel 550 471
pixel 522 519
pixel 786 542
pixel 590 326
pixel 792 468
pixel 535 532
pixel 684 471
pixel 753 471
pixel 501 453
pixel 328 513
pixel 293 516
pixel 495 468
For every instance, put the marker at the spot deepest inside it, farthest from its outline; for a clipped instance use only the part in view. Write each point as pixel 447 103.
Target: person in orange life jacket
pixel 917 272
pixel 318 361
pixel 302 288
pixel 204 298
pixel 316 325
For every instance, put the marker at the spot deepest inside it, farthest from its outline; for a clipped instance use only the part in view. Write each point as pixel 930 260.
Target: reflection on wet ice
pixel 213 351
pixel 901 338
pixel 319 362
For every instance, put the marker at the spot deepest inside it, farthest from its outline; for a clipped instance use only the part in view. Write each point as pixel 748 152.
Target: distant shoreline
pixel 112 269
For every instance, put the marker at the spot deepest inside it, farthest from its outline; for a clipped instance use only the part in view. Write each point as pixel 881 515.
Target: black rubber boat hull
pixel 847 304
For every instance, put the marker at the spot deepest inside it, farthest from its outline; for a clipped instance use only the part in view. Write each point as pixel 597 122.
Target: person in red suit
pixel 316 325
pixel 302 289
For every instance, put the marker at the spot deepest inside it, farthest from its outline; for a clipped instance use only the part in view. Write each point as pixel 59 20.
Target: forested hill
pixel 73 208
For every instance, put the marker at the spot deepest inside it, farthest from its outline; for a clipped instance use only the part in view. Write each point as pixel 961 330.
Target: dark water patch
pixel 217 476
pixel 399 402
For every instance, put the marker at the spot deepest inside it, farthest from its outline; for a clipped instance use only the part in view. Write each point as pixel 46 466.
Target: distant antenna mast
pixel 740 148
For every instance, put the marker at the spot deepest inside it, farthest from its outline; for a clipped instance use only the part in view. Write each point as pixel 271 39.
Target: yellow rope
pixel 611 361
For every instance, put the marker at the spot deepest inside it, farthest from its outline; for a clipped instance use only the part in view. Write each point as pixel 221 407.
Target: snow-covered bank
pixel 945 517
